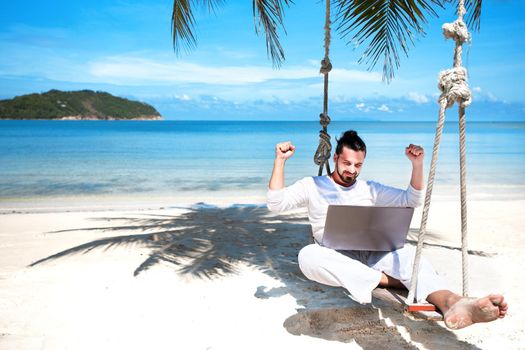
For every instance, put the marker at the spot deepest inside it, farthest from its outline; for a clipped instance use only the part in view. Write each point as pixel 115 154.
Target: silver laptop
pixel 349 227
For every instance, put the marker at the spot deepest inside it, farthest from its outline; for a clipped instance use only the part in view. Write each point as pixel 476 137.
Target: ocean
pixel 43 161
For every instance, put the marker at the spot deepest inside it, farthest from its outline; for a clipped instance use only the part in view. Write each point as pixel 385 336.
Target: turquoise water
pixel 48 159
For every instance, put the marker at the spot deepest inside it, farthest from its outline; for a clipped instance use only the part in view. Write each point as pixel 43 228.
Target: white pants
pixel 360 271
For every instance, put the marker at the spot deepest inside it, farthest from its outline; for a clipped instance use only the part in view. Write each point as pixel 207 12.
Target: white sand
pixel 227 278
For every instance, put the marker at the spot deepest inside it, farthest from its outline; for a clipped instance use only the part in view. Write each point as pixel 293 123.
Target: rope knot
pixel 456 31
pixel 324 120
pixel 454 87
pixel 326 66
pixel 322 154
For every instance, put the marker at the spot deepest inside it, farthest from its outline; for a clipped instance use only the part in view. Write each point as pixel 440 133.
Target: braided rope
pixel 322 154
pixel 423 227
pixel 454 88
pixel 463 182
pixel 462 36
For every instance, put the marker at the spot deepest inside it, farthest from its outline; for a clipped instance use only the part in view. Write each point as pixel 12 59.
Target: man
pixel 361 271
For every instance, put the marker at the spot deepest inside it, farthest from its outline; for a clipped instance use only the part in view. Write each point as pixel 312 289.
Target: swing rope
pixel 322 154
pixel 454 88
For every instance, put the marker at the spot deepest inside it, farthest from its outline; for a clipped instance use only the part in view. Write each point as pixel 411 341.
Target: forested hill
pixel 82 105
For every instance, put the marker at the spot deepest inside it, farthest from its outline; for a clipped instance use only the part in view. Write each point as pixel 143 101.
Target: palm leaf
pixel 473 8
pixel 473 13
pixel 269 15
pixel 183 21
pixel 386 26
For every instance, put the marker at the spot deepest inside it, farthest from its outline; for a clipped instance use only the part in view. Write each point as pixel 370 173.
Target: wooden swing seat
pixel 397 298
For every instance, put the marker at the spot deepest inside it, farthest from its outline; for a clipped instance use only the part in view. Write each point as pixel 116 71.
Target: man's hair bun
pixel 351 140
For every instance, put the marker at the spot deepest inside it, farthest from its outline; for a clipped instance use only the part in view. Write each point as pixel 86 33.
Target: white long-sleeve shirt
pixel 316 193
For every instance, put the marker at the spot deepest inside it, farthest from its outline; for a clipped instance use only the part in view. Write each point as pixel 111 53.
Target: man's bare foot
pixel 467 311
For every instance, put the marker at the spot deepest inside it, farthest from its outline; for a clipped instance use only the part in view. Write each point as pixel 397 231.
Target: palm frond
pixel 183 21
pixel 269 14
pixel 387 26
pixel 473 8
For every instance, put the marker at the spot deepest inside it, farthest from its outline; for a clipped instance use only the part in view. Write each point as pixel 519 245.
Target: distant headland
pixel 76 105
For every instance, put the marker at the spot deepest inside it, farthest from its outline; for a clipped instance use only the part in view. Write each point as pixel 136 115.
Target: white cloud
pixel 134 70
pixel 417 97
pixel 383 108
pixel 183 97
pixel 340 99
pixel 363 107
pixel 485 95
pixel 492 97
pixel 138 70
pixel 315 63
pixel 360 106
pixel 161 74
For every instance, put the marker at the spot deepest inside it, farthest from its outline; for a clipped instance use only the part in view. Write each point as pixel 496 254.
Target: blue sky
pixel 125 48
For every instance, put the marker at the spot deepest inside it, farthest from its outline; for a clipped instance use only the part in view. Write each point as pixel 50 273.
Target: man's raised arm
pixel 416 154
pixel 283 151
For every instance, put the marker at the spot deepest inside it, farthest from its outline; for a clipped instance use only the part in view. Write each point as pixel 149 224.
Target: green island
pixel 76 105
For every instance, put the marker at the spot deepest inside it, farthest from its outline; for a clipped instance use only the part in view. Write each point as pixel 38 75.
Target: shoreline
pixel 130 202
pixel 225 197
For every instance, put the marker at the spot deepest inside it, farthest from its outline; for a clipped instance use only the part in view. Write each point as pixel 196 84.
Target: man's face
pixel 348 165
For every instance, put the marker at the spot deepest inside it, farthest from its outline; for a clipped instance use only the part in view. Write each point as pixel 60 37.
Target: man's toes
pixel 503 311
pixel 497 299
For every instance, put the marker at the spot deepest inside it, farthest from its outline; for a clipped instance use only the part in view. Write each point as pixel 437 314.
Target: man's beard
pixel 346 179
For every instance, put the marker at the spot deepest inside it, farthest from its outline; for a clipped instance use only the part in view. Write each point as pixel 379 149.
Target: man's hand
pixel 415 154
pixel 284 150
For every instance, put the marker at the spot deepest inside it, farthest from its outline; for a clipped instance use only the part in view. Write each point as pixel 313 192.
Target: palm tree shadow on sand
pixel 209 242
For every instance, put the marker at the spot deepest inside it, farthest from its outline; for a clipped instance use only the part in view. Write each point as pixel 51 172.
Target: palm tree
pixel 382 27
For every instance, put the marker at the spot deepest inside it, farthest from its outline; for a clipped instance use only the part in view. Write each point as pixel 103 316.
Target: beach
pixel 225 276
pixel 156 235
